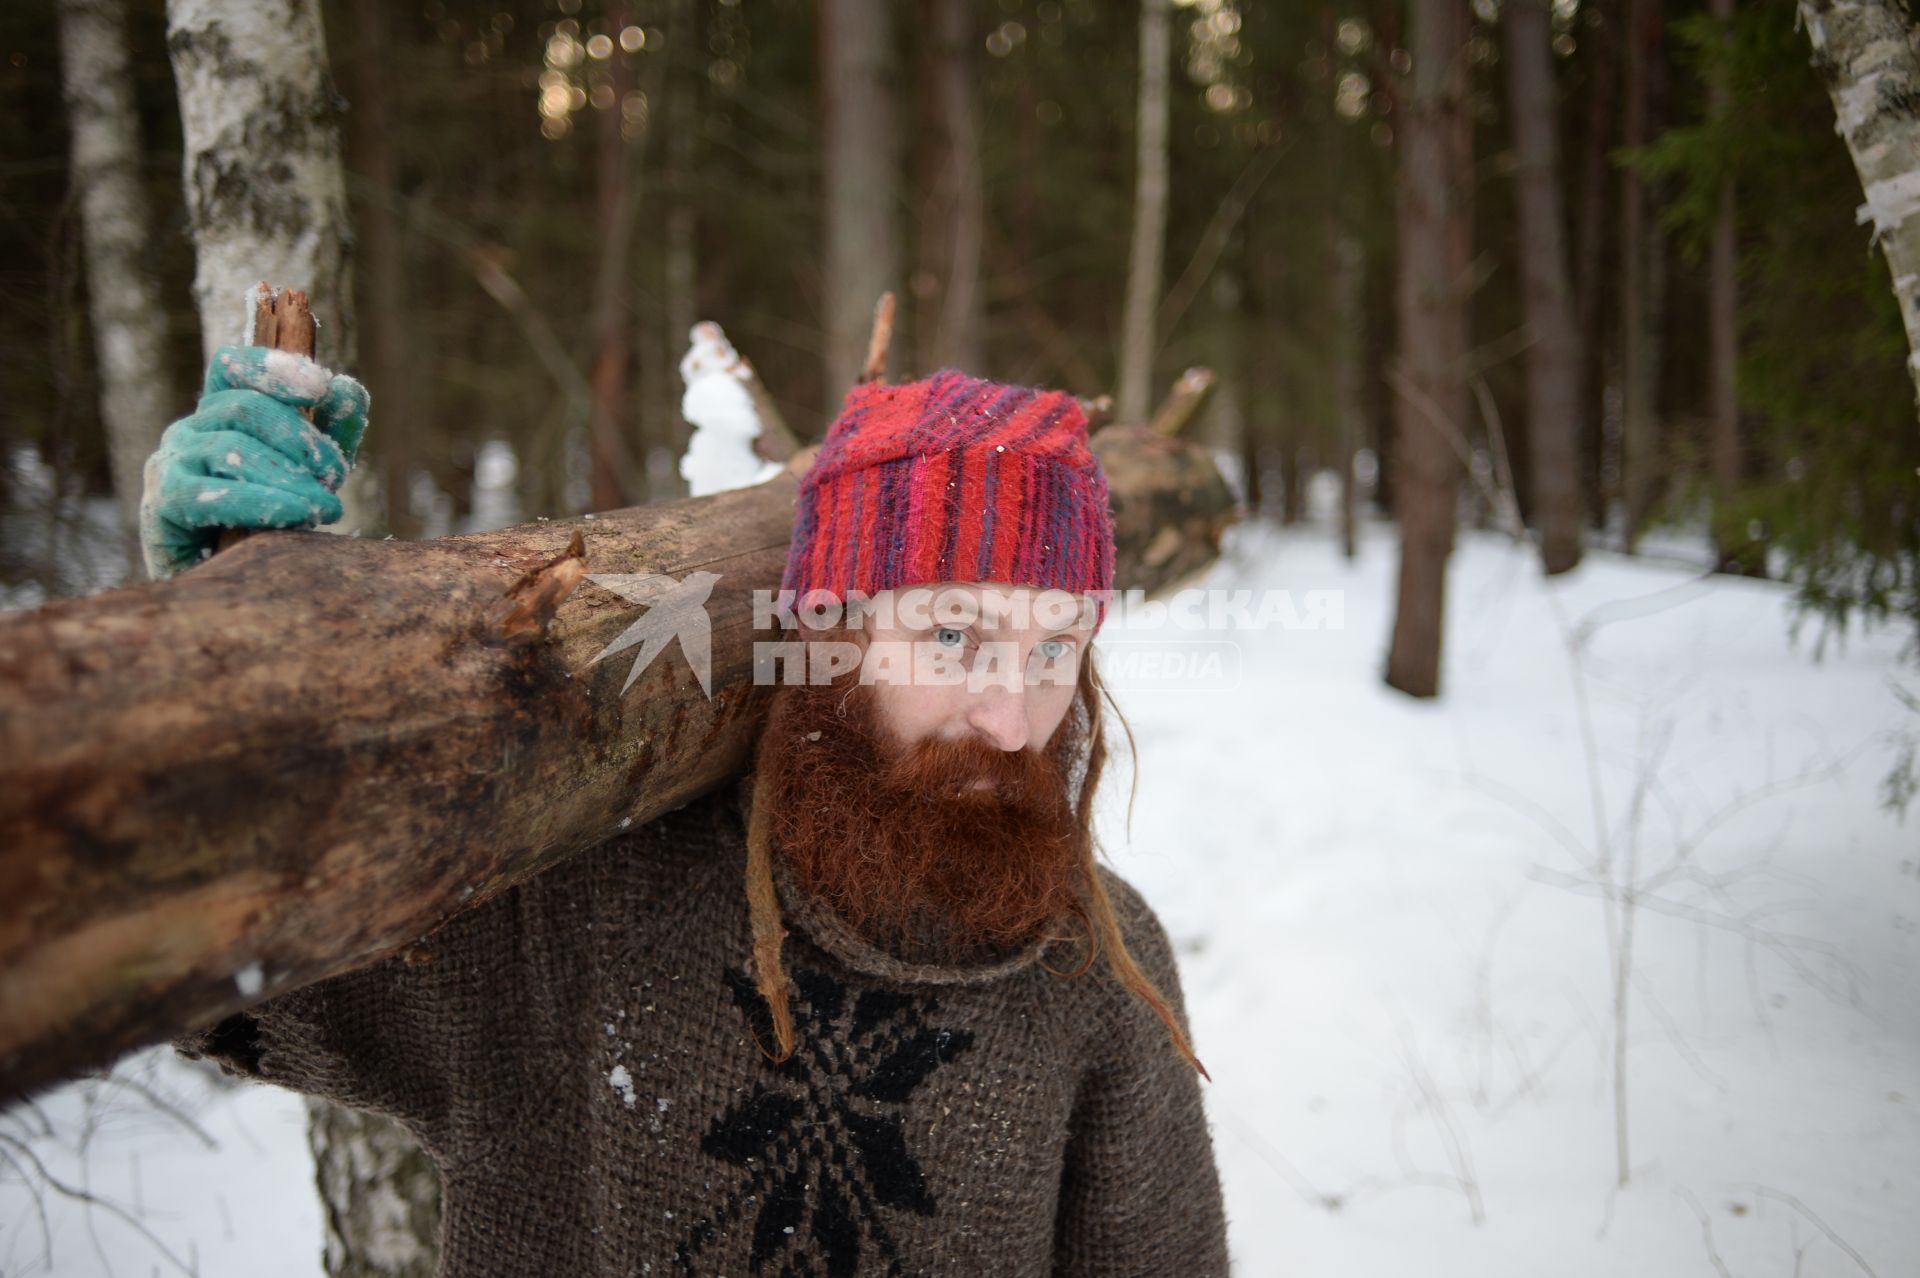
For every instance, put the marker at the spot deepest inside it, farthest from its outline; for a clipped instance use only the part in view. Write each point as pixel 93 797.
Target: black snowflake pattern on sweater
pixel 823 1141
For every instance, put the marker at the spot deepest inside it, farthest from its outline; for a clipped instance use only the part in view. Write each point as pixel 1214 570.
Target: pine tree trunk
pixel 610 471
pixel 1224 416
pixel 1138 338
pixel 1865 50
pixel 265 192
pixel 684 75
pixel 1349 293
pixel 390 374
pixel 1553 368
pixel 954 219
pixel 1432 405
pixel 1723 342
pixel 1589 244
pixel 137 395
pixel 1639 436
pixel 859 107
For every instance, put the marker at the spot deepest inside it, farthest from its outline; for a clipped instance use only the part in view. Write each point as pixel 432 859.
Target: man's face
pixel 985 660
pixel 938 810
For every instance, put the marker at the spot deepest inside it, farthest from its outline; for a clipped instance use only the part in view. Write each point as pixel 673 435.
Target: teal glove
pixel 247 459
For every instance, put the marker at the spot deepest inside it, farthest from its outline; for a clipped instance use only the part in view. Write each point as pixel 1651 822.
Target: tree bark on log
pixel 309 750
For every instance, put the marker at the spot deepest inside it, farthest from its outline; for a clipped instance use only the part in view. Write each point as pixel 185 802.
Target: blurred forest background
pixel 546 194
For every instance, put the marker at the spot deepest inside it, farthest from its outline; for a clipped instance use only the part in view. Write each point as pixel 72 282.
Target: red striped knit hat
pixel 953 479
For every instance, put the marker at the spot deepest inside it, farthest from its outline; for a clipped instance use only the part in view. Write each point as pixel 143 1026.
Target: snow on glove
pixel 247 458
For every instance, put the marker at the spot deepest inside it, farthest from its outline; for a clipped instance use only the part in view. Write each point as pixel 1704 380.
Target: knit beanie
pixel 953 478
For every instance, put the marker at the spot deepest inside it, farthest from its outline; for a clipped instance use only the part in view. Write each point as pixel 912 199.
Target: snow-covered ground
pixel 1396 961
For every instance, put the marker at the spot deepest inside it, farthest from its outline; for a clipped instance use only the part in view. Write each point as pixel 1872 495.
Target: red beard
pixel 901 842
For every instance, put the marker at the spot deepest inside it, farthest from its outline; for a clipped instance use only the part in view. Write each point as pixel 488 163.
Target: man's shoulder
pixel 1139 923
pixel 1141 931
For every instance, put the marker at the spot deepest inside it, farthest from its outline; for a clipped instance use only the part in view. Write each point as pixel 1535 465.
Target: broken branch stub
pixel 281 320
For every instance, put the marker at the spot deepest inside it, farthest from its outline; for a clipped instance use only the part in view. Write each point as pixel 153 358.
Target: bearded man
pixel 873 1009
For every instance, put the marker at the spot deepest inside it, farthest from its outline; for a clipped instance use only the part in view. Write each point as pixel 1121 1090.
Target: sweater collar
pixel 805 912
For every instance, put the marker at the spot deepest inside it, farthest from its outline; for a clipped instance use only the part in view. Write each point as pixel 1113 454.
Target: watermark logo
pixel 676 610
pixel 1175 642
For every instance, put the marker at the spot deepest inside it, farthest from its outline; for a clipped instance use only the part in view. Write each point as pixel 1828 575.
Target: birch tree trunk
pixel 137 397
pixel 380 1191
pixel 860 169
pixel 1137 336
pixel 266 197
pixel 1865 51
pixel 1553 368
pixel 265 192
pixel 1431 402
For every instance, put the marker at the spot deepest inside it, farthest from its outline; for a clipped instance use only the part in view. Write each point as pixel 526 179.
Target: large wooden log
pixel 311 750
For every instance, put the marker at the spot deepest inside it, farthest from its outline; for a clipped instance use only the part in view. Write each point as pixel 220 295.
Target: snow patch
pixel 622 1082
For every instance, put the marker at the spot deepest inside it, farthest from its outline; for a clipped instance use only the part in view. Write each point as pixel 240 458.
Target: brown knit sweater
pixel 579 1058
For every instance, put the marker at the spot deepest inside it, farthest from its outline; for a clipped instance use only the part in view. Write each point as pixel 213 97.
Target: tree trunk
pixel 1138 341
pixel 1553 368
pixel 1639 437
pixel 137 395
pixel 265 193
pixel 1349 295
pixel 1865 50
pixel 610 470
pixel 1727 460
pixel 381 1192
pixel 1589 243
pixel 308 751
pixel 1432 403
pixel 390 372
pixel 684 75
pixel 1224 417
pixel 859 171
pixel 249 71
pixel 953 221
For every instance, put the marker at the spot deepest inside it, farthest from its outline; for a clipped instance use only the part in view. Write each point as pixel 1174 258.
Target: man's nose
pixel 1000 716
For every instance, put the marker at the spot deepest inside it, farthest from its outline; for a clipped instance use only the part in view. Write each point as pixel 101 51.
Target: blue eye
pixel 1053 649
pixel 959 637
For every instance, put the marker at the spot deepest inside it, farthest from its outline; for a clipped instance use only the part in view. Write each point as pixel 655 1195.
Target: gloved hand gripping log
pixel 268 446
